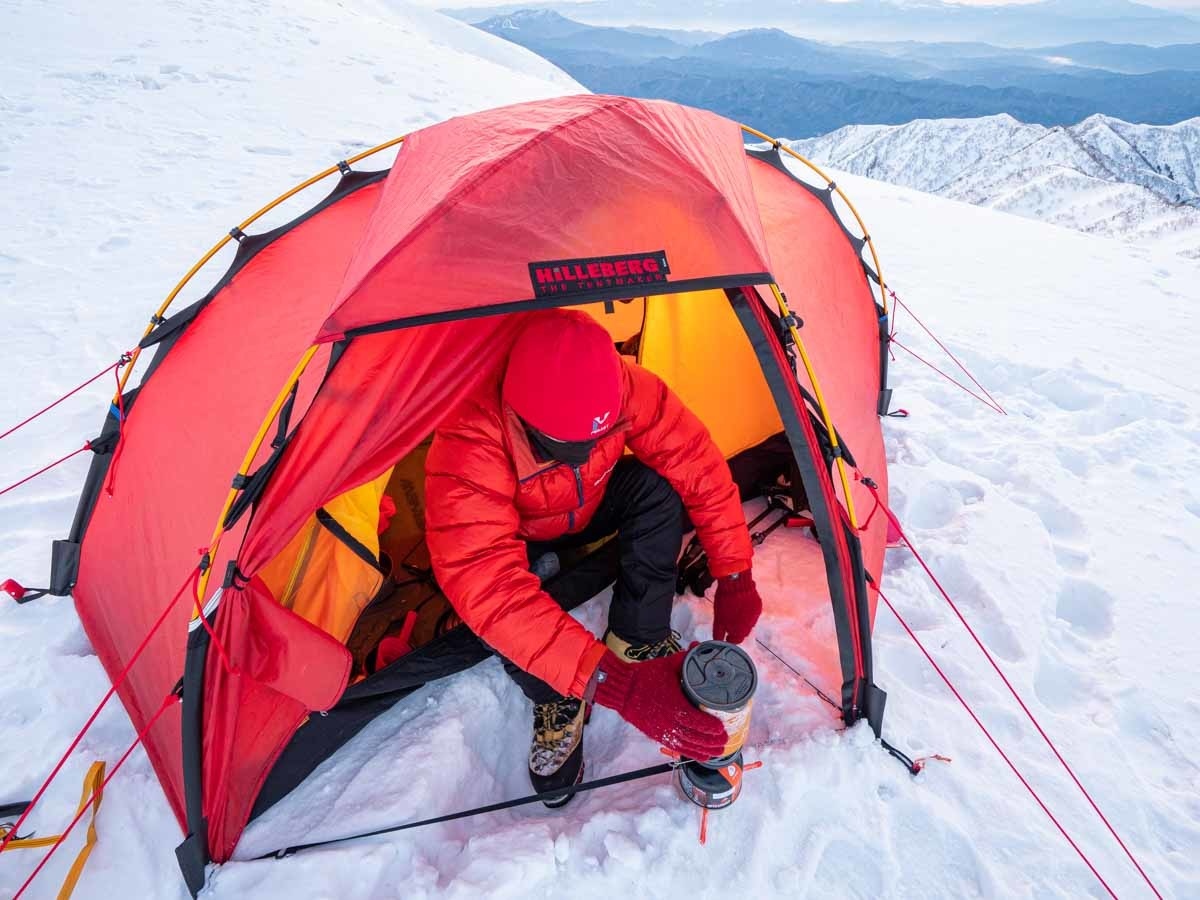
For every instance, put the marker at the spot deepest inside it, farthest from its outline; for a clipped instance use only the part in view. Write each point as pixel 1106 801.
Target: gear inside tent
pixel 284 416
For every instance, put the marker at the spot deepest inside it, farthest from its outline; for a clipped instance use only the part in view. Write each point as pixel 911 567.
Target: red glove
pixel 736 608
pixel 647 695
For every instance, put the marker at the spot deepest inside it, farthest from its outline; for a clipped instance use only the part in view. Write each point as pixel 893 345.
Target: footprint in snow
pixel 1086 608
pixel 848 867
pixel 985 613
pixel 919 837
pixel 1073 559
pixel 1060 520
pixel 116 242
pixel 1067 390
pixel 1076 461
pixel 937 503
pixel 1063 687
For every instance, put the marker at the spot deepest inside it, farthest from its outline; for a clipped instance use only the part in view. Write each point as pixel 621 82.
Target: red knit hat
pixel 564 376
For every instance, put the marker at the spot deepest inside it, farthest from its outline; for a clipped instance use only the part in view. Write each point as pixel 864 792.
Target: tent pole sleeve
pixel 812 377
pixel 247 462
pixel 779 145
pixel 817 480
pixel 192 854
pixel 216 248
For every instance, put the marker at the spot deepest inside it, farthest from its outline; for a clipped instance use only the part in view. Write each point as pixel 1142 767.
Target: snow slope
pixel 1104 176
pixel 1068 530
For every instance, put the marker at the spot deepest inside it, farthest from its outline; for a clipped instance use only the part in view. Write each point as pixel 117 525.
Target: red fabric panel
pixel 184 438
pixel 286 653
pixel 472 201
pixel 387 394
pixel 822 276
pixel 285 668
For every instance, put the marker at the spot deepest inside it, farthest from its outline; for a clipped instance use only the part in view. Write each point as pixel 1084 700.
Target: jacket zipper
pixel 579 493
pixel 578 483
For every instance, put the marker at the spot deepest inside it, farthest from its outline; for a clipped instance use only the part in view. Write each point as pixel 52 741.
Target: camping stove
pixel 718 678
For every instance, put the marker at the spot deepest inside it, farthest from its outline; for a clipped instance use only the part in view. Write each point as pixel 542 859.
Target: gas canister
pixel 720 679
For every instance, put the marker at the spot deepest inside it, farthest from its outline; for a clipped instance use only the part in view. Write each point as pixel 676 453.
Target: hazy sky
pixel 1192 5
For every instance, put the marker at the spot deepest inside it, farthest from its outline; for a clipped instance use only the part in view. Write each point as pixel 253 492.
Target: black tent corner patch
pixel 564 277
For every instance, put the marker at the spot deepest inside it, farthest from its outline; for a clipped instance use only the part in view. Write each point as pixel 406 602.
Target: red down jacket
pixel 486 494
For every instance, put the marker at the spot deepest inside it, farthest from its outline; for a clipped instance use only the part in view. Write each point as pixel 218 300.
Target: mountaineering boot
pixel 556 756
pixel 630 652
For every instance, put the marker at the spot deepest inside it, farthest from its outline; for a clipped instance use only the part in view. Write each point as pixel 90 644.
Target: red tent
pixel 335 344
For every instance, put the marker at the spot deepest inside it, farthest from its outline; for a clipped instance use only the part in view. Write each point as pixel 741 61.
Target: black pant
pixel 647 515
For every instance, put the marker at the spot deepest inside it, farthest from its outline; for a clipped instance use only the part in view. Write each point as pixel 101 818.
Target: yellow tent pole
pixel 243 469
pixel 216 248
pixel 812 377
pixel 830 182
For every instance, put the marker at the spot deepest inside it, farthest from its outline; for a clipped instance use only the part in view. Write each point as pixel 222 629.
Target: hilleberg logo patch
pixel 562 277
pixel 599 422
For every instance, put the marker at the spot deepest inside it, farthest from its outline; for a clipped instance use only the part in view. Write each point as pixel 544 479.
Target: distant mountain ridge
pixel 1104 176
pixel 803 88
pixel 1049 22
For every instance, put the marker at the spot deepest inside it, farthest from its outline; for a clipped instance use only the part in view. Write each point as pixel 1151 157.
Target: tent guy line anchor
pixel 900 304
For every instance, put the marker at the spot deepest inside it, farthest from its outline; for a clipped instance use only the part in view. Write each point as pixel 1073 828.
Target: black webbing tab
pixel 252 486
pixel 884 402
pixel 233 576
pixel 237 234
pixel 105 443
pixel 64 567
pixel 344 167
pixel 192 856
pixel 21 594
pixel 876 701
pixel 11 810
pixel 285 418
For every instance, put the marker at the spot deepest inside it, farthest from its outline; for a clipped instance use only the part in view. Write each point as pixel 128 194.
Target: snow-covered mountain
pixel 1104 176
pixel 136 134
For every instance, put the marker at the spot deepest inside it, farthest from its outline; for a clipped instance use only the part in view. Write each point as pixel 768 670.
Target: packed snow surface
pixel 1067 530
pixel 1103 176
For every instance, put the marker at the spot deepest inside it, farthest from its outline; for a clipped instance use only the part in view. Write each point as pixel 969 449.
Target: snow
pixel 1103 176
pixel 1067 530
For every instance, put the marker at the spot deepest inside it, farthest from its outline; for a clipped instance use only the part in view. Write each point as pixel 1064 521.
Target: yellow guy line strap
pixel 812 377
pixel 91 794
pixel 244 468
pixel 829 182
pixel 242 226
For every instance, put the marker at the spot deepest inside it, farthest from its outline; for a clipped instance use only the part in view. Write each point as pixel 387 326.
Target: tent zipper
pixel 299 568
